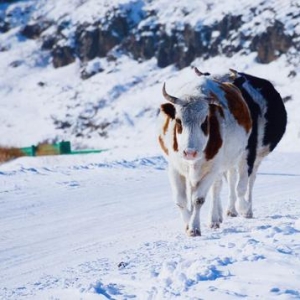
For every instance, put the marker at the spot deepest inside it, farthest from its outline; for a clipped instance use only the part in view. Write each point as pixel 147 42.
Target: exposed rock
pixel 62 56
pixel 227 24
pixel 87 43
pixel 33 31
pixel 165 51
pixel 222 43
pixel 142 43
pixel 117 32
pixel 97 40
pixel 41 83
pixel 90 69
pixel 4 26
pixel 181 47
pixel 16 63
pixel 272 43
pixel 170 50
pixel 191 44
pixel 61 124
pixel 49 42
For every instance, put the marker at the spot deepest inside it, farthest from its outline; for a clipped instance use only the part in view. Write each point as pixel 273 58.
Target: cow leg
pixel 244 206
pixel 193 228
pixel 178 186
pixel 251 183
pixel 249 212
pixel 198 195
pixel 232 177
pixel 215 216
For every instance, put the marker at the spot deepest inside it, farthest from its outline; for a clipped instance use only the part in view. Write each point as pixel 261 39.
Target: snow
pixel 77 227
pixel 103 226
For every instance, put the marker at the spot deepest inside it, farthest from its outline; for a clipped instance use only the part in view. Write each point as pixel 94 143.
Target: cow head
pixel 191 116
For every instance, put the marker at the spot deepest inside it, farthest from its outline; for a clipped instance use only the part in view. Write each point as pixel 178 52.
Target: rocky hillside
pixel 139 29
pixel 94 37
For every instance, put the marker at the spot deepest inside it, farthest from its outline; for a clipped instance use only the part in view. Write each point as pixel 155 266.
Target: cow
pixel 216 126
pixel 203 132
pixel 269 120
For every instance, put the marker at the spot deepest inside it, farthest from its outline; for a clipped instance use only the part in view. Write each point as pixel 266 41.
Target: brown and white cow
pixel 204 131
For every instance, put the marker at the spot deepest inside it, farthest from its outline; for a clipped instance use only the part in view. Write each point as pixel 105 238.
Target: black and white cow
pixel 204 132
pixel 269 119
pixel 215 127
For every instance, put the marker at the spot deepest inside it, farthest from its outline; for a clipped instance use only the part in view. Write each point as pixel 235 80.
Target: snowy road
pixel 84 227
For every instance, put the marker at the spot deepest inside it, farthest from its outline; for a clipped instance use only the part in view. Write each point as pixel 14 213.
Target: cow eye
pixel 204 126
pixel 178 125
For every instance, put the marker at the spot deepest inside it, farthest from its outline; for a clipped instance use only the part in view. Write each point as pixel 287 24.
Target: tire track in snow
pixel 68 246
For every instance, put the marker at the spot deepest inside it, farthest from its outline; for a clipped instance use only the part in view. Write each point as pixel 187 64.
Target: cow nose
pixel 190 154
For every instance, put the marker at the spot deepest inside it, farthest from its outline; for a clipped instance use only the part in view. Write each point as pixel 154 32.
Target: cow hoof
pixel 248 215
pixel 232 214
pixel 215 225
pixel 193 232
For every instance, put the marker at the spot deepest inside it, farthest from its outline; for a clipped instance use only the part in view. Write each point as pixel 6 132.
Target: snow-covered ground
pixel 103 226
pixel 100 226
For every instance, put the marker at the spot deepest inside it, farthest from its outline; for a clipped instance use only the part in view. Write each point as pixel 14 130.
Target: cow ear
pixel 169 110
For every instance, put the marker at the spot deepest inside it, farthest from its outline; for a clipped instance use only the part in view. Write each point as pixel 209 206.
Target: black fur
pixel 276 117
pixel 255 113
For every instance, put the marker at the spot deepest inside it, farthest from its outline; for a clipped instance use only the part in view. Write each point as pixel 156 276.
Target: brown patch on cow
pixel 237 105
pixel 168 109
pixel 166 125
pixel 175 143
pixel 163 146
pixel 215 140
pixel 7 154
pixel 178 126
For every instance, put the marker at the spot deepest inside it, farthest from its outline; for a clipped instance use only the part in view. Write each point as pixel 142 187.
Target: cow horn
pixel 199 73
pixel 168 97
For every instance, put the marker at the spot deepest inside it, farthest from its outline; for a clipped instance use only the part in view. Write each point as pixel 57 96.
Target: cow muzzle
pixel 190 154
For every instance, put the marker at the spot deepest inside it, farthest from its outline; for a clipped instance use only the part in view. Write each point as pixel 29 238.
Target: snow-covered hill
pixel 42 103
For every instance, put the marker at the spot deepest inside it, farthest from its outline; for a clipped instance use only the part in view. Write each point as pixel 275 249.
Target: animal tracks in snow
pixel 198 264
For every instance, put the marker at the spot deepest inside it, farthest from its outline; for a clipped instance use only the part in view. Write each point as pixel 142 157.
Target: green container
pixel 87 151
pixel 64 147
pixel 29 151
